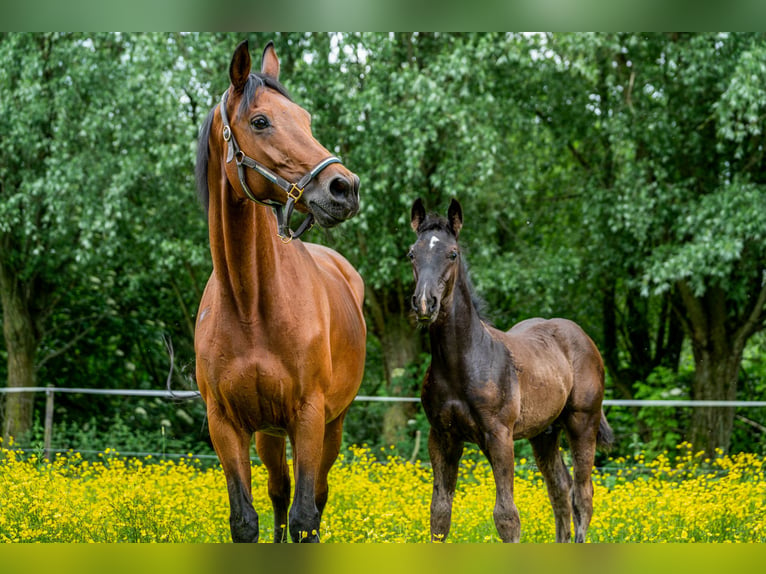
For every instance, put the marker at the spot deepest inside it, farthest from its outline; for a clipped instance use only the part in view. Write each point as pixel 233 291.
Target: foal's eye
pixel 411 255
pixel 452 255
pixel 259 122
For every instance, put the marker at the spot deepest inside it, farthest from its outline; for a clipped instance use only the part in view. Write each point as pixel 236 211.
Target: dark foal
pixel 491 387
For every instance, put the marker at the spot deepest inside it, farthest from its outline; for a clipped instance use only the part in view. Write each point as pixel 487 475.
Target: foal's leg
pixel 582 429
pixel 307 440
pixel 546 449
pixel 499 450
pixel 232 444
pixel 333 434
pixel 271 449
pixel 445 452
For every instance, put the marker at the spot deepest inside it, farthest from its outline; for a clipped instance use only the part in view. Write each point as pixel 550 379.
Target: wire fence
pixel 50 392
pixel 170 394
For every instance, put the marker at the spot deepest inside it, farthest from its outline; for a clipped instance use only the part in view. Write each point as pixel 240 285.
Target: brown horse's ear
pixel 455 216
pixel 417 215
pixel 239 69
pixel 270 62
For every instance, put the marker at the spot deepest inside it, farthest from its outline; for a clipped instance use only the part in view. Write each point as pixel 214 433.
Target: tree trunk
pixel 401 344
pixel 401 347
pixel 715 379
pixel 717 345
pixel 628 354
pixel 21 344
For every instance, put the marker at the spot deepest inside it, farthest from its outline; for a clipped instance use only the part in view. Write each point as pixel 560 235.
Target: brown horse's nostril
pixel 340 187
pixel 355 179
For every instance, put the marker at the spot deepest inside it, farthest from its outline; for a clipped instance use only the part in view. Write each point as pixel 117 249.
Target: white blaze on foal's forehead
pixel 434 241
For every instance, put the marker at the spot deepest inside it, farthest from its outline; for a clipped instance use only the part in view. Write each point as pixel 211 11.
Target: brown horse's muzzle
pixel 335 198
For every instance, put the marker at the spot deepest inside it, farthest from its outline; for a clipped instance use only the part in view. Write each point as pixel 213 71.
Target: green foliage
pixel 134 426
pixel 666 428
pixel 750 423
pixel 598 173
pixel 365 420
pixel 94 183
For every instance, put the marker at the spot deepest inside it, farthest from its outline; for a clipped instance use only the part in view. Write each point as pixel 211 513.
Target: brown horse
pixel 280 335
pixel 491 388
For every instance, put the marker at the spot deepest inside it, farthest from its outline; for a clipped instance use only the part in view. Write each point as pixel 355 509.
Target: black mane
pixel 435 222
pixel 254 82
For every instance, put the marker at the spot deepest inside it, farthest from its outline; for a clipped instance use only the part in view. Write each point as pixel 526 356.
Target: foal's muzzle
pixel 426 307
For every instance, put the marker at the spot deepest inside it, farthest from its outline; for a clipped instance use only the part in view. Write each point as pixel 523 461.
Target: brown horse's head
pixel 435 258
pixel 272 136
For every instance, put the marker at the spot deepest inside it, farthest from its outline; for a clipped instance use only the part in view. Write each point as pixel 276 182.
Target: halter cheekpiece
pixel 294 191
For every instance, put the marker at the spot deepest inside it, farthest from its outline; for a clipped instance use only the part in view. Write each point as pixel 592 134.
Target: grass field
pixel 118 499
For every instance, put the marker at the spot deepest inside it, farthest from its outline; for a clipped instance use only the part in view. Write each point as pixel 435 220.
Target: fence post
pixel 48 432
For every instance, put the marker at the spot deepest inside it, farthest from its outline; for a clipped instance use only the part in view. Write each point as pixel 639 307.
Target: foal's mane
pixel 435 222
pixel 254 82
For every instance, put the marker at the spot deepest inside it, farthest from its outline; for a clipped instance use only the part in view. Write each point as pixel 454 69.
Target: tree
pixel 414 115
pixel 95 165
pixel 429 115
pixel 668 132
pixel 614 179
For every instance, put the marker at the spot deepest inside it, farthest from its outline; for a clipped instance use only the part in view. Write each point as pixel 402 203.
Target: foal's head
pixel 435 258
pixel 276 132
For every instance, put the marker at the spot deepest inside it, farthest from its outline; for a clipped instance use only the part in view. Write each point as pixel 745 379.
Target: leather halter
pixel 294 191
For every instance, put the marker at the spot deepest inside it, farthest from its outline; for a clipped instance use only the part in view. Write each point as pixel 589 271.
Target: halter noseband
pixel 294 190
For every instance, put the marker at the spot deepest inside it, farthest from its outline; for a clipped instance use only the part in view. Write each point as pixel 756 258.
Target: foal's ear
pixel 239 69
pixel 455 216
pixel 270 62
pixel 417 215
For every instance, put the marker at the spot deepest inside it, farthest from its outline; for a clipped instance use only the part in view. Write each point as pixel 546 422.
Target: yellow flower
pixel 671 497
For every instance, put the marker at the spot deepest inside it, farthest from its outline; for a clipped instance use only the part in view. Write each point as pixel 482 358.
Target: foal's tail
pixel 605 436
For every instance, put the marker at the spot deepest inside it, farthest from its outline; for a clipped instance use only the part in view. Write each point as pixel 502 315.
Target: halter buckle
pixel 295 192
pixel 226 133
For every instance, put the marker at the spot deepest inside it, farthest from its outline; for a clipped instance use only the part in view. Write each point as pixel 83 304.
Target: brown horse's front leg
pixel 499 451
pixel 271 449
pixel 233 448
pixel 445 452
pixel 332 440
pixel 307 446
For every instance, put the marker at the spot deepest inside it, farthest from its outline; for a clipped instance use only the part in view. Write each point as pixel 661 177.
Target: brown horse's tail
pixel 605 436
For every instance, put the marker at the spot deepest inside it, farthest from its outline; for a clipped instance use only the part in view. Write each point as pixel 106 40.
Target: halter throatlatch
pixel 294 191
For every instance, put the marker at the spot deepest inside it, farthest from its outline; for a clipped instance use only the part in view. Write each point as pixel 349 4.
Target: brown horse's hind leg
pixel 233 448
pixel 271 449
pixel 582 429
pixel 445 452
pixel 548 457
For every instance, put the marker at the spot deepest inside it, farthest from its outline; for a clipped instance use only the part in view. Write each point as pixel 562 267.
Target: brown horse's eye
pixel 259 123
